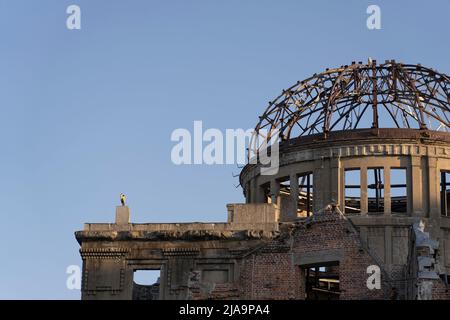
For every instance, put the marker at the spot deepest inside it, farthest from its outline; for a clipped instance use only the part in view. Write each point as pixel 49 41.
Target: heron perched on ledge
pixel 123 198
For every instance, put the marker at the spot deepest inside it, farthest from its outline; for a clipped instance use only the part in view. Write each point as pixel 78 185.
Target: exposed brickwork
pixel 440 291
pixel 270 276
pixel 271 272
pixel 217 291
pixel 272 267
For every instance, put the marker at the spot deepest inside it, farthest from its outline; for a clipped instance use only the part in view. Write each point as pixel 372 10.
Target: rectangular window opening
pixel 445 193
pixel 322 282
pixel 285 186
pixel 375 190
pixel 352 191
pixel 399 198
pixel 305 195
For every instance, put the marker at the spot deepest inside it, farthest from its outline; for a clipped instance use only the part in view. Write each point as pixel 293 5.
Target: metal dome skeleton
pixel 390 95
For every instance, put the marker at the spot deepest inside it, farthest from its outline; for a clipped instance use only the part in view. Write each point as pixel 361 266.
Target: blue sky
pixel 87 114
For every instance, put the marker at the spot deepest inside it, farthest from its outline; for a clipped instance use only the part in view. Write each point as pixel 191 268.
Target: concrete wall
pixel 271 268
pixel 263 249
pixel 387 233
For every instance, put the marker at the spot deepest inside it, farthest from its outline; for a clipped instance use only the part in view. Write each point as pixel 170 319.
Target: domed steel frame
pixel 390 95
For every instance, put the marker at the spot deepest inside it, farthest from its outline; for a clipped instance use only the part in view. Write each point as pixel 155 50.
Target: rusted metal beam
pixel 400 96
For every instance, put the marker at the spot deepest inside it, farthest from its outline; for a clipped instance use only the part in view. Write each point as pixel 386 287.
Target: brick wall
pixel 277 268
pixel 271 272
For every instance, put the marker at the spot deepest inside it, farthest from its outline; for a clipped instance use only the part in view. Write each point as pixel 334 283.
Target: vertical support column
pixel 247 198
pixel 259 194
pixel 414 188
pixel 434 194
pixel 387 190
pixel 256 192
pixel 325 183
pixel 250 188
pixel 335 185
pixel 294 193
pixel 364 195
pixel 318 185
pixel 275 191
pixel 342 183
pixel 434 188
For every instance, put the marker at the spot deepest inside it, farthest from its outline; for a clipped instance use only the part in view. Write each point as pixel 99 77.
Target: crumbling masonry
pixel 363 180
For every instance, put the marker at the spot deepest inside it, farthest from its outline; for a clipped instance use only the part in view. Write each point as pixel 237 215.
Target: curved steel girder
pixel 401 95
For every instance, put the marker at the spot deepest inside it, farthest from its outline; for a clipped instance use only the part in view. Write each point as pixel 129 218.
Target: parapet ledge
pixel 245 221
pixel 181 227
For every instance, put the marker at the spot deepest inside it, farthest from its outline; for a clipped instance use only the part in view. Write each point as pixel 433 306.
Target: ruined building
pixel 362 189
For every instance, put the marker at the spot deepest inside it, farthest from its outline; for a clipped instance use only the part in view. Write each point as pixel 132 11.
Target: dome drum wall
pixel 328 159
pixel 422 157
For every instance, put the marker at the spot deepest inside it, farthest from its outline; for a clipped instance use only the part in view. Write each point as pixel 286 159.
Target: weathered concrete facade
pixel 340 203
pixel 423 155
pixel 262 252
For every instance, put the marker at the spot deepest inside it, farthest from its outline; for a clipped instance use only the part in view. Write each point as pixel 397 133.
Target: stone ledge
pixel 149 227
pixel 164 235
pixel 382 220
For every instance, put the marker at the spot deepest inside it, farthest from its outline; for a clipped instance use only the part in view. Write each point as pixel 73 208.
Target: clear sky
pixel 87 114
